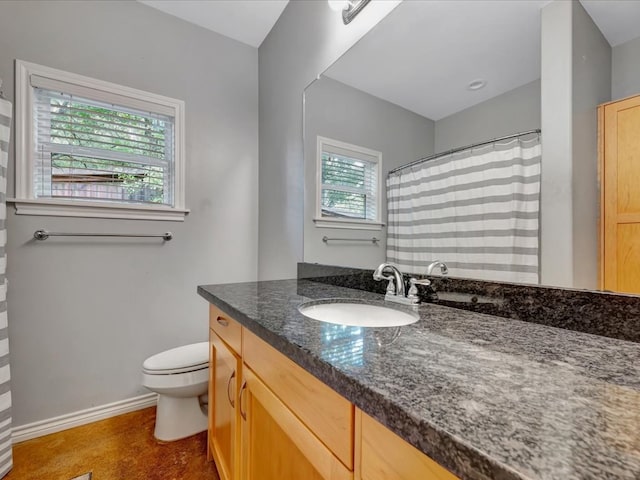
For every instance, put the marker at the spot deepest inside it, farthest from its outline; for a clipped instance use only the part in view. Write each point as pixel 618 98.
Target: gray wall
pixel 591 87
pixel 512 112
pixel 84 314
pixel 626 70
pixel 556 235
pixel 341 112
pixel 306 39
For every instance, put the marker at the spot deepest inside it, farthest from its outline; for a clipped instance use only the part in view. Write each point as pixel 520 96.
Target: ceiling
pixel 425 46
pixel 618 20
pixel 248 21
pixel 424 54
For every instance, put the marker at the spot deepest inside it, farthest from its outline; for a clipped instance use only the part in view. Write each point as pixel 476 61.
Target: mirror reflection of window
pixel 348 187
pixel 348 182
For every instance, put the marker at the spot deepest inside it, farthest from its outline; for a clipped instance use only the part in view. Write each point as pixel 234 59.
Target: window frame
pixel 26 203
pixel 355 151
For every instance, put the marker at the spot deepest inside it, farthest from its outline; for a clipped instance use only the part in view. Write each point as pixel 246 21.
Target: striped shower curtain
pixel 6 459
pixel 476 210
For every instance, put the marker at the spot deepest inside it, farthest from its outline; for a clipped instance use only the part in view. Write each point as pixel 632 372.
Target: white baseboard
pixel 82 417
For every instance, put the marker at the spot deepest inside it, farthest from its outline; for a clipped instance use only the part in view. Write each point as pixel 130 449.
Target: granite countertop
pixel 486 397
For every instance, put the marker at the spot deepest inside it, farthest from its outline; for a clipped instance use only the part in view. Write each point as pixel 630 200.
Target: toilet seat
pixel 174 371
pixel 177 385
pixel 188 358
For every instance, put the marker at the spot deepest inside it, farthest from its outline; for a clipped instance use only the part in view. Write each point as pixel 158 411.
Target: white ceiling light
pixel 476 84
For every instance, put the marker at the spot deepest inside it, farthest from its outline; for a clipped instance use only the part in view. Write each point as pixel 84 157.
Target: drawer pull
pixel 223 321
pixel 233 405
pixel 242 389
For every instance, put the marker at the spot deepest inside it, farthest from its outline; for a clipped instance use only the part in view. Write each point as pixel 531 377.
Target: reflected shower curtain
pixel 476 210
pixel 6 459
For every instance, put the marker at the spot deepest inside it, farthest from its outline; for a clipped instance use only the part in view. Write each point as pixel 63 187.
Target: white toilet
pixel 180 376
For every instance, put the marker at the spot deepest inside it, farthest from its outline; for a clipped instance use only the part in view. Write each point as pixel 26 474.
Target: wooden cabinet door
pixel 382 455
pixel 224 372
pixel 620 195
pixel 276 445
pixel 328 415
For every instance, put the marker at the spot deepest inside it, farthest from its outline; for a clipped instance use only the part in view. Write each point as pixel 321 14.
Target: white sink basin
pixel 357 314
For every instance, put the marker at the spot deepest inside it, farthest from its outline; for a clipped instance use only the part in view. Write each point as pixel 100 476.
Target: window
pixel 348 190
pixel 91 148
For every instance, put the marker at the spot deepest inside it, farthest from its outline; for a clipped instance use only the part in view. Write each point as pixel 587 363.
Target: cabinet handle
pixel 233 404
pixel 242 389
pixel 223 321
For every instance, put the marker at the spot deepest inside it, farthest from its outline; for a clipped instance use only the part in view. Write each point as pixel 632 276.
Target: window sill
pixel 349 224
pixel 61 208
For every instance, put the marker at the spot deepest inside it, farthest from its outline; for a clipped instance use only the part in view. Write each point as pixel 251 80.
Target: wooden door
pixel 276 445
pixel 382 455
pixel 619 124
pixel 224 371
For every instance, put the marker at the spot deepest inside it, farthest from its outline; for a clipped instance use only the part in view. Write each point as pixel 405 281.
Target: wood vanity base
pixel 273 420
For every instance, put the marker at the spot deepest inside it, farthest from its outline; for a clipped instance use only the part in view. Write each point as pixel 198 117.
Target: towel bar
pixel 372 239
pixel 43 235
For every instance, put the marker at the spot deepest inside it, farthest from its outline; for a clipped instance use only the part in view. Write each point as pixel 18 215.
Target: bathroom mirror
pixel 437 75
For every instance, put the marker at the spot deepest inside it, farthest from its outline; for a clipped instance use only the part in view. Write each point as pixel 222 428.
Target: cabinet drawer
pixel 381 454
pixel 227 328
pixel 328 415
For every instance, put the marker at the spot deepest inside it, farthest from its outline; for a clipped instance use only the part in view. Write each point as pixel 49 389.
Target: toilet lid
pixel 187 357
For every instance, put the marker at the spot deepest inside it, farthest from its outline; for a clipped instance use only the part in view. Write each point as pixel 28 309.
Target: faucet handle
pixel 391 286
pixel 413 290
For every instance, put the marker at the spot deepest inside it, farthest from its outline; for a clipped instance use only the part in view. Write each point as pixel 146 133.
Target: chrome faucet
pixel 443 267
pixel 396 288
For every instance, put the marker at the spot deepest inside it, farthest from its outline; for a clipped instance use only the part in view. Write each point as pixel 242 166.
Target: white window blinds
pixel 349 185
pixel 96 150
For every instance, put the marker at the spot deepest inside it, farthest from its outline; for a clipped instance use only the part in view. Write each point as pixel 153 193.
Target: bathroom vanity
pixel 458 394
pixel 281 416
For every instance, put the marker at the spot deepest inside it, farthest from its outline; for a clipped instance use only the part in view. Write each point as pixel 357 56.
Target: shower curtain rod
pixel 461 149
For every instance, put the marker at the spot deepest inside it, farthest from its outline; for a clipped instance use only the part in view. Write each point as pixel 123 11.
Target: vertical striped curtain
pixel 476 210
pixel 6 459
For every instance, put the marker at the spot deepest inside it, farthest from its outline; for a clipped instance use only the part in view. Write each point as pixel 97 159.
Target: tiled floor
pixel 119 448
